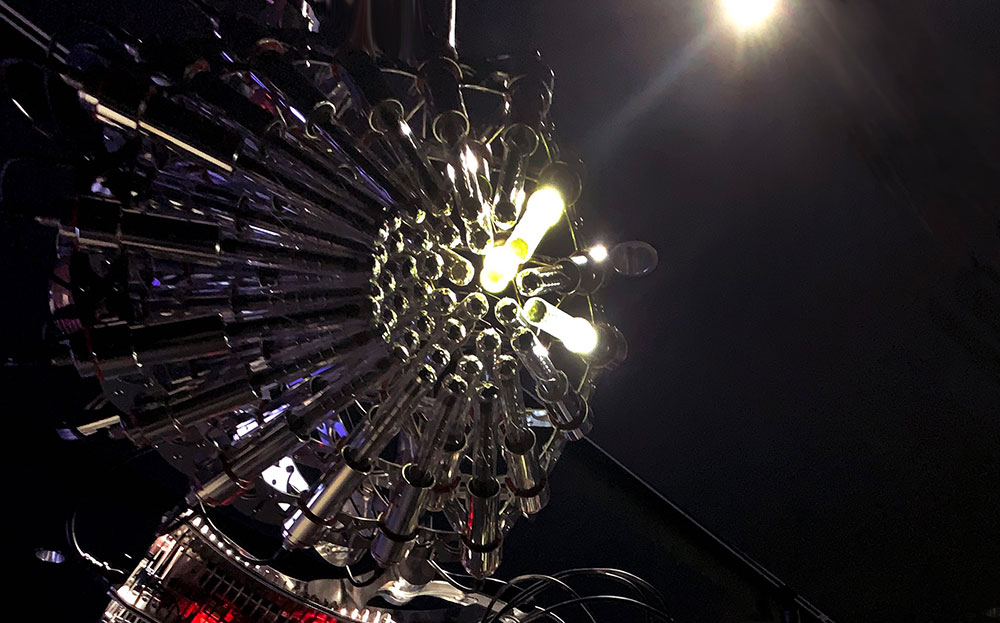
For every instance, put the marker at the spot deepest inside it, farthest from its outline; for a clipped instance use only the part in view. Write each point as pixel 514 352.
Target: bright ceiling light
pixel 748 14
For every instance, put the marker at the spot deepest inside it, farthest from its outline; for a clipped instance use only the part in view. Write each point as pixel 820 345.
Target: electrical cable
pixel 71 522
pixel 447 578
pixel 640 585
pixel 505 584
pixel 455 574
pixel 71 537
pixel 528 593
pixel 598 598
pixel 376 574
pixel 619 575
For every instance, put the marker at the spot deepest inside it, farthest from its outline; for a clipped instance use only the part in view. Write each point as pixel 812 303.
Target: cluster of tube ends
pixel 284 250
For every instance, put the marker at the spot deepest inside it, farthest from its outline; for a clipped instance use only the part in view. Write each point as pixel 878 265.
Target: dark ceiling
pixel 796 378
pixel 814 369
pixel 790 381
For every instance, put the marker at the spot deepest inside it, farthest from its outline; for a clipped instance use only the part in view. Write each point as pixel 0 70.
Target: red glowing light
pixel 194 612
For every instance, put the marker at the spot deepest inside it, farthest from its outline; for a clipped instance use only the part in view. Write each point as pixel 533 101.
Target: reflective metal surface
pixel 307 249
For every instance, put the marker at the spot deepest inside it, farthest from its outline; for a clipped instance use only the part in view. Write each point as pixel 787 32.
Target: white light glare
pixel 128 595
pixel 500 264
pixel 749 13
pixel 598 253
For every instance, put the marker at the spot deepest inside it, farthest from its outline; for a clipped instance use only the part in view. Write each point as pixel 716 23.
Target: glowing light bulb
pixel 500 265
pixel 576 334
pixel 544 209
pixel 747 14
pixel 598 253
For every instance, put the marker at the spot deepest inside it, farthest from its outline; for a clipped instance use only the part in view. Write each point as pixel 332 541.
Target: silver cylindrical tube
pixel 327 497
pixel 564 278
pixel 240 471
pixel 482 536
pixel 416 568
pixel 183 340
pixel 525 477
pixel 399 522
pixel 448 476
pixel 306 525
pixel 533 355
pixel 457 269
pixel 175 418
pixel 568 410
pixel 487 349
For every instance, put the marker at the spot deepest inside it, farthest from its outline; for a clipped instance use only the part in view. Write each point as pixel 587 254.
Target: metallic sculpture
pixel 344 293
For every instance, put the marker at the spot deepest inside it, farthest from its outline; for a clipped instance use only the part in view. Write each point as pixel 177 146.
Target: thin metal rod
pixel 32 32
pixel 773 582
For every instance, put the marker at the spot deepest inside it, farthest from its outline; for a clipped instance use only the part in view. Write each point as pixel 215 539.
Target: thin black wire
pixel 465 589
pixel 358 512
pixel 638 584
pixel 525 595
pixel 621 576
pixel 466 575
pixel 598 598
pixel 71 537
pixel 71 522
pixel 376 574
pixel 544 582
pixel 447 578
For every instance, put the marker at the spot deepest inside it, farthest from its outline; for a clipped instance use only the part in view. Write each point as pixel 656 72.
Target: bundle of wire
pixel 532 600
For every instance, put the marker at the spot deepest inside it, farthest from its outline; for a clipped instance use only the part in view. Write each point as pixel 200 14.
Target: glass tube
pixel 448 406
pixel 533 355
pixel 488 407
pixel 576 334
pixel 458 270
pixel 488 345
pixel 545 279
pixel 519 142
pixel 330 493
pixel 508 313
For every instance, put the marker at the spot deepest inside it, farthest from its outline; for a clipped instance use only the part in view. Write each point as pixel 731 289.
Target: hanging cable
pixel 71 522
pixel 376 574
pixel 544 582
pixel 601 598
pixel 447 578
pixel 71 537
pixel 640 585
